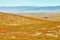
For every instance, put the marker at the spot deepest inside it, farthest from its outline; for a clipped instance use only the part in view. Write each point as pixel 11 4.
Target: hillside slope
pixel 18 27
pixel 50 16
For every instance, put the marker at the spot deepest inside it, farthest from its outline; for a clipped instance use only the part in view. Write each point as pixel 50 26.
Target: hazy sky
pixel 29 2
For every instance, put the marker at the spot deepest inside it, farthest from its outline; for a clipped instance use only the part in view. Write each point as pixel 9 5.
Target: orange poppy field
pixel 23 27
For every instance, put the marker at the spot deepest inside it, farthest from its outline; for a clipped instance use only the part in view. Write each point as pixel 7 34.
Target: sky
pixel 29 2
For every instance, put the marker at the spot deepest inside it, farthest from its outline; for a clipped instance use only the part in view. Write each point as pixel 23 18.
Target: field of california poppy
pixel 19 27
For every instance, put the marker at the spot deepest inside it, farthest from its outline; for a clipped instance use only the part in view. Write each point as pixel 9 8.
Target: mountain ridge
pixel 29 8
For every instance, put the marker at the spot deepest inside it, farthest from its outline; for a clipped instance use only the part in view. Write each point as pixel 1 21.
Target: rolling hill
pixel 19 27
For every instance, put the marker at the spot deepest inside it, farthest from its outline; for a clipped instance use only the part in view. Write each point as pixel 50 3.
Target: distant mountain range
pixel 28 8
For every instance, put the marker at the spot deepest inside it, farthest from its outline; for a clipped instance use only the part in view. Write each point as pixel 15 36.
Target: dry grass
pixel 18 27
